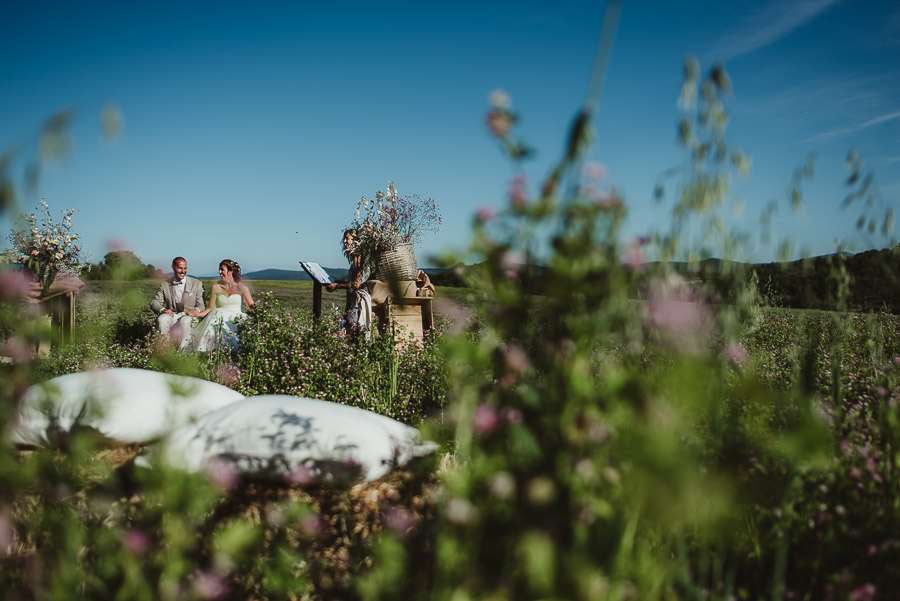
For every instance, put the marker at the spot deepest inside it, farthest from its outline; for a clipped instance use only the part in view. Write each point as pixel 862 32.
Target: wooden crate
pixel 410 316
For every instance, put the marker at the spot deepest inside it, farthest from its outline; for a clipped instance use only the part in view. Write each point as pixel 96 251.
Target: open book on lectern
pixel 316 272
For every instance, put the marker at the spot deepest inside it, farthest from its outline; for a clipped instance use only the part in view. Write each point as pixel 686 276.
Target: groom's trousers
pixel 176 328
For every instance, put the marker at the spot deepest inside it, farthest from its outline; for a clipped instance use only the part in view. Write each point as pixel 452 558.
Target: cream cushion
pixel 125 405
pixel 293 438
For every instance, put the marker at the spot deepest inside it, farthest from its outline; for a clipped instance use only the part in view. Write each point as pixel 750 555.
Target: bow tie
pixel 177 282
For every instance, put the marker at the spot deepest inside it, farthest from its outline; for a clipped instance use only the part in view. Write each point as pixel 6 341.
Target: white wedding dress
pixel 218 330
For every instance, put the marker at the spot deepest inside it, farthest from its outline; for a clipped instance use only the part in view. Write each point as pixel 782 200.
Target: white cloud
pixel 837 94
pixel 843 131
pixel 769 24
pixel 880 119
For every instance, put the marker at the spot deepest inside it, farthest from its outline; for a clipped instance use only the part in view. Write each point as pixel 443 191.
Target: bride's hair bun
pixel 233 267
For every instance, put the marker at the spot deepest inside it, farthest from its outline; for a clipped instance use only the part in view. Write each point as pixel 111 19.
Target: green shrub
pixel 289 352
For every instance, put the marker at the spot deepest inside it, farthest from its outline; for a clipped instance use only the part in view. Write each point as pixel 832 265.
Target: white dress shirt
pixel 177 291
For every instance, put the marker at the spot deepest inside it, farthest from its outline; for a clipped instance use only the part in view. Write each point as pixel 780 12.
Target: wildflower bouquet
pixel 391 220
pixel 47 249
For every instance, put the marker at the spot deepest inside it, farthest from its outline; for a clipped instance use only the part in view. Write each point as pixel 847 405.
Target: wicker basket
pixel 398 264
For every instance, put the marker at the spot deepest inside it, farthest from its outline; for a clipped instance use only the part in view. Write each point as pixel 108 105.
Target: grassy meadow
pixel 132 297
pixel 696 444
pixel 793 427
pixel 684 449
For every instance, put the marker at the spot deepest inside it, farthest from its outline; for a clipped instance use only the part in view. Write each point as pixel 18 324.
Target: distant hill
pixel 290 274
pixel 874 280
pixel 439 276
pixel 803 284
pixel 811 283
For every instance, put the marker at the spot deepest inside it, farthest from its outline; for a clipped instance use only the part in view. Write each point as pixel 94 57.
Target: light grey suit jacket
pixel 164 298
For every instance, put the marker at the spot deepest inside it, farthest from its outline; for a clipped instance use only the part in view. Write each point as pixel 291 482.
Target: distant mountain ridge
pixel 291 274
pixel 812 283
pixel 301 276
pixel 276 274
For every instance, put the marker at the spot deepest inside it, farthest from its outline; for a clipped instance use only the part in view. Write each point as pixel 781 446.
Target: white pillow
pixel 295 439
pixel 125 405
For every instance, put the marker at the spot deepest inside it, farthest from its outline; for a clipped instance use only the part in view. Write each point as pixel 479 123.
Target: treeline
pixel 454 277
pixel 121 265
pixel 862 282
pixel 869 281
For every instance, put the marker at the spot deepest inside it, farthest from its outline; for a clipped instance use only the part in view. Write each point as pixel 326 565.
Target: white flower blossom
pixel 500 99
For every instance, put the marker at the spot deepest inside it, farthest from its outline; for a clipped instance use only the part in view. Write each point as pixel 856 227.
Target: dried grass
pixel 336 540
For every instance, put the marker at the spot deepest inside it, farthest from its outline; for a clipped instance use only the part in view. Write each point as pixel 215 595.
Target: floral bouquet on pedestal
pixel 48 249
pixel 390 221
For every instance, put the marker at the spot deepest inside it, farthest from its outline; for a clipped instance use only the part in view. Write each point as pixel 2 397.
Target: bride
pixel 225 299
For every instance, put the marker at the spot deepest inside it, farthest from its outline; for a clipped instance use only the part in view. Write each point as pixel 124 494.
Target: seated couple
pixel 184 318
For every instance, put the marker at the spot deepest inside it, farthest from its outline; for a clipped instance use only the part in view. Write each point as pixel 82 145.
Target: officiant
pixel 175 296
pixel 358 310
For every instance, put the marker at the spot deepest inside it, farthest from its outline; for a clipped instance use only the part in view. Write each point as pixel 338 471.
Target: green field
pixel 782 444
pixel 132 297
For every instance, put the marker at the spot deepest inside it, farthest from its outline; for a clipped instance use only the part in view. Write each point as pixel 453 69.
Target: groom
pixel 176 295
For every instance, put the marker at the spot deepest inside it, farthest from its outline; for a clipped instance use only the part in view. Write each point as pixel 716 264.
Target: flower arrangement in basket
pixel 47 249
pixel 387 228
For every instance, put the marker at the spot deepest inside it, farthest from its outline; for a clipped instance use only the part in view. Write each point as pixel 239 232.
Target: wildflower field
pixel 790 491
pixel 608 428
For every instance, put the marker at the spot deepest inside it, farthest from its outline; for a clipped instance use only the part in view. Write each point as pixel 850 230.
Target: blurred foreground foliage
pixel 694 445
pixel 121 265
pixel 684 447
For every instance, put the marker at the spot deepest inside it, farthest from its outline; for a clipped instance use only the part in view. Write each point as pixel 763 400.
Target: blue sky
pixel 251 130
